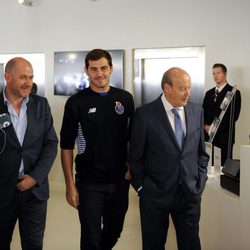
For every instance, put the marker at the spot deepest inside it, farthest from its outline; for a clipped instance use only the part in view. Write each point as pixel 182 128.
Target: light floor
pixel 62 228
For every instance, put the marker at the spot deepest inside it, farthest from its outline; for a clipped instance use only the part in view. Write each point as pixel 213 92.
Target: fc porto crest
pixel 119 109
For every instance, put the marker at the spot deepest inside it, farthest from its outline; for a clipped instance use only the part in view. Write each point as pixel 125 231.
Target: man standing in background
pixel 28 147
pixel 225 136
pixel 97 118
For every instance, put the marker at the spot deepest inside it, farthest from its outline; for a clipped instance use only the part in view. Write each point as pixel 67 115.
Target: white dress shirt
pixel 168 108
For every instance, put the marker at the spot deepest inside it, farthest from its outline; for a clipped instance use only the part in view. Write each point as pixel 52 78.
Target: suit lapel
pixel 161 113
pixel 222 94
pixel 9 130
pixel 190 122
pixel 31 114
pixel 3 107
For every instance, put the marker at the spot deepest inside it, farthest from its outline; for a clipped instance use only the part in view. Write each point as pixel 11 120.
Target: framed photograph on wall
pixel 69 74
pixel 38 64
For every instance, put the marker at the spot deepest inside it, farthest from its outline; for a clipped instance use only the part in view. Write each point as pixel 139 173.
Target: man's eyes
pixel 26 77
pixel 184 89
pixel 101 69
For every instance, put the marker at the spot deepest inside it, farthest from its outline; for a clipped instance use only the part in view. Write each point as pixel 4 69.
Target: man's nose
pixel 99 72
pixel 187 93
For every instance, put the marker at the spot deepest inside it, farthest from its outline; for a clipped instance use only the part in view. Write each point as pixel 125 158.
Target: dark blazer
pixel 38 151
pixel 157 163
pixel 212 110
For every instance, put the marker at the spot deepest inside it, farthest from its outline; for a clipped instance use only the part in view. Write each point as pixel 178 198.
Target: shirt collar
pixel 167 105
pixel 6 101
pixel 221 87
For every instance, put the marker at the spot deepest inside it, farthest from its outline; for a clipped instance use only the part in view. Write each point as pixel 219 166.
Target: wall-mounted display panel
pixel 69 74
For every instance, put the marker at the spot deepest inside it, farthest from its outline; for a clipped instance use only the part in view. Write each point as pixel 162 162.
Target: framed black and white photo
pixel 38 64
pixel 69 74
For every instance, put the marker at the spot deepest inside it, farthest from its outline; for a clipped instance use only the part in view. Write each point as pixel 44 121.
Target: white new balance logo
pixel 92 110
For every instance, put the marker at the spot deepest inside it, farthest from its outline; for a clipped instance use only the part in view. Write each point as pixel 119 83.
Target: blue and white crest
pixel 119 109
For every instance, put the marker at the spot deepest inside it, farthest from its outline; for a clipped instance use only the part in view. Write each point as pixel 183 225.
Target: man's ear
pixel 86 71
pixel 166 88
pixel 7 76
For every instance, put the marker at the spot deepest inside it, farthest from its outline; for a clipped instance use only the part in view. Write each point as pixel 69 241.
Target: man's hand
pixel 128 175
pixel 26 182
pixel 72 196
pixel 206 128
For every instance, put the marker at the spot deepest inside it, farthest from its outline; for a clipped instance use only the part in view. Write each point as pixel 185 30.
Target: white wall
pixel 61 25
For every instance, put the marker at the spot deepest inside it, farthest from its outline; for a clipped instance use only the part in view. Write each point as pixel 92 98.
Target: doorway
pixel 150 65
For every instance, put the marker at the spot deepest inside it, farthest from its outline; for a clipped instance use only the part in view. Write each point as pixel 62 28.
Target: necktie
pixel 179 133
pixel 216 94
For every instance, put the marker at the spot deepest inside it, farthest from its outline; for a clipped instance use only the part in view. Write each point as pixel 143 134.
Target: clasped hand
pixel 26 182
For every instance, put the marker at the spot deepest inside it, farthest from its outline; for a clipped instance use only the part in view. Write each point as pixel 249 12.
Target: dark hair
pixel 97 54
pixel 222 66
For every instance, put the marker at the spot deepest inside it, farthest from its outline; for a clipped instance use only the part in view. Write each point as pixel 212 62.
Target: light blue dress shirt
pixel 19 123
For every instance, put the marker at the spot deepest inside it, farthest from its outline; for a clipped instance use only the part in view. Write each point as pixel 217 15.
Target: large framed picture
pixel 38 64
pixel 69 74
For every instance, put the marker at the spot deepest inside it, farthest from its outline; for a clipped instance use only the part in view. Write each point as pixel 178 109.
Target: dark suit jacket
pixel 157 163
pixel 38 150
pixel 212 110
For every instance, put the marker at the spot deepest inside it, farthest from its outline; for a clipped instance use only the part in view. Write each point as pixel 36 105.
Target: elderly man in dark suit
pixel 28 147
pixel 169 164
